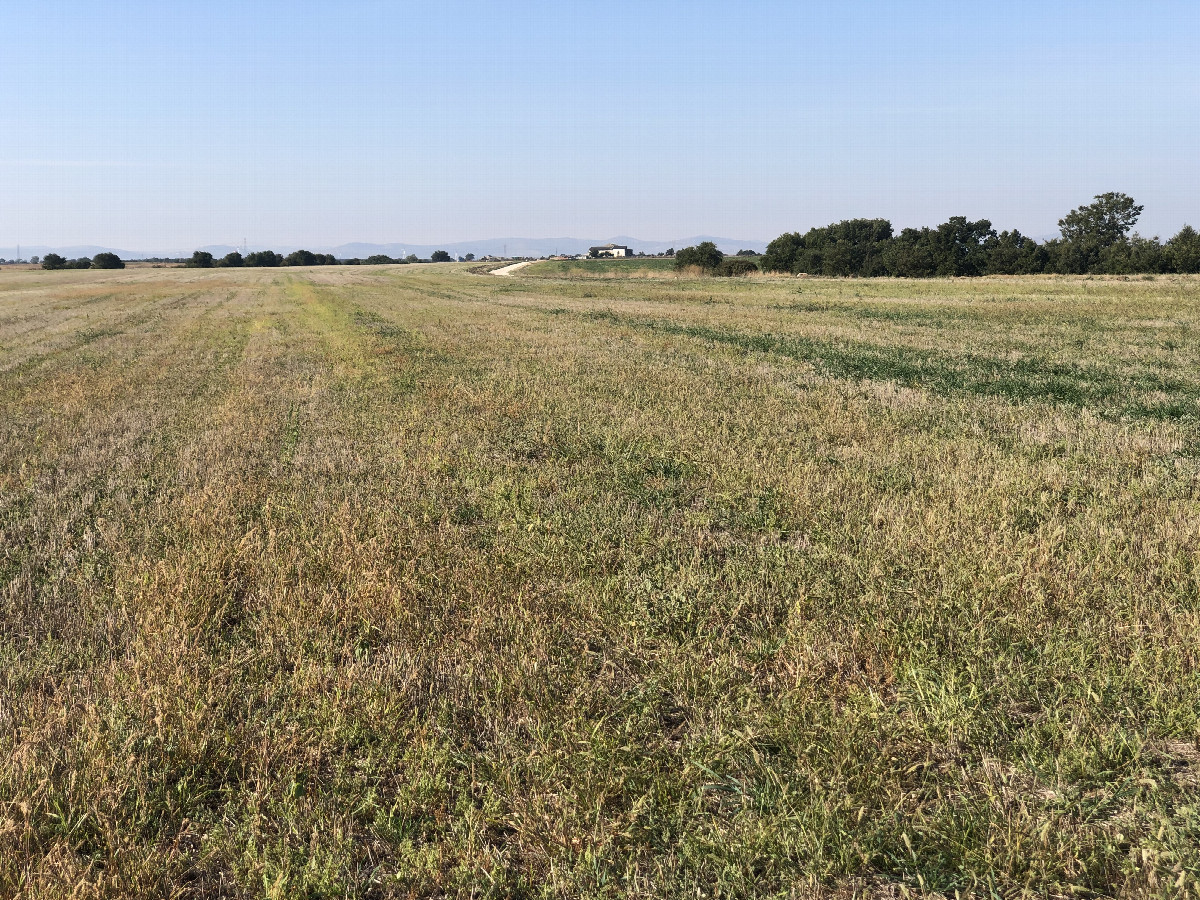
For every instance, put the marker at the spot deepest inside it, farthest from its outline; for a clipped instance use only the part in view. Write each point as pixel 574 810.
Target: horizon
pixel 283 126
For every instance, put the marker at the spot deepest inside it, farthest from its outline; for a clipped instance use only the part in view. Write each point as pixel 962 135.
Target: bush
pixel 201 259
pixel 440 256
pixel 736 266
pixel 379 259
pixel 53 261
pixel 704 256
pixel 264 258
pixel 82 263
pixel 232 261
pixel 107 261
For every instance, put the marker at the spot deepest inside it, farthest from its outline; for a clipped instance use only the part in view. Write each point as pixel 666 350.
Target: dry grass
pixel 409 582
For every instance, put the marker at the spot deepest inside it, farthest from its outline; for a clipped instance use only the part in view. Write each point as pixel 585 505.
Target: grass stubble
pixel 413 582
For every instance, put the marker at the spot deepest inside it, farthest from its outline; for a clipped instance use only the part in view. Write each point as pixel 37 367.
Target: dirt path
pixel 509 270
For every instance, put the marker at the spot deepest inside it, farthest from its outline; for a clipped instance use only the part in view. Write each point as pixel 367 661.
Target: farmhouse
pixel 608 250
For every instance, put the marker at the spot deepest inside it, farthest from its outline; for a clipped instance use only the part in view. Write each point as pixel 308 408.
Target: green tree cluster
pixel 1095 239
pixel 99 261
pixel 704 256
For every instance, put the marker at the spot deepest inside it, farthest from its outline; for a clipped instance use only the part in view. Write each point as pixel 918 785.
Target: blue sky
pixel 154 125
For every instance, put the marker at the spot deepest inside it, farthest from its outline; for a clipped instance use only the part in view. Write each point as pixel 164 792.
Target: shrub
pixel 232 260
pixel 379 259
pixel 736 266
pixel 201 259
pixel 82 263
pixel 53 261
pixel 440 256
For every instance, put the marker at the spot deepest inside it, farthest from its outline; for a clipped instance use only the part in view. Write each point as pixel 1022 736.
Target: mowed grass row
pixel 412 582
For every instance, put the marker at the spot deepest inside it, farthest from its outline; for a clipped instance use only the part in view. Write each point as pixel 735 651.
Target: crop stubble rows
pixel 415 582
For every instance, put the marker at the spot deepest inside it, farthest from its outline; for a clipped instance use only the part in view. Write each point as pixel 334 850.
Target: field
pixel 412 582
pixel 605 268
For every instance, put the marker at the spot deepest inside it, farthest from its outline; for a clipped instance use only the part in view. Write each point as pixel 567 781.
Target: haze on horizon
pixel 145 125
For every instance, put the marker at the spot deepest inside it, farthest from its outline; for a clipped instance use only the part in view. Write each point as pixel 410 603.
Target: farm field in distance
pixel 412 582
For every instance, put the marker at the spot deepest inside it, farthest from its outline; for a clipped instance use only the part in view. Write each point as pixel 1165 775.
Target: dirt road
pixel 509 270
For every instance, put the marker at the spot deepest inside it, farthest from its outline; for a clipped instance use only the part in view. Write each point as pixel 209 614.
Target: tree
pixel 34 259
pixel 411 258
pixel 82 263
pixel 1105 222
pixel 850 247
pixel 232 261
pixel 107 261
pixel 911 254
pixel 747 253
pixel 704 256
pixel 1012 253
pixel 301 258
pixel 1088 231
pixel 266 258
pixel 1132 256
pixel 440 256
pixel 782 252
pixel 201 259
pixel 379 259
pixel 470 257
pixel 1183 250
pixel 54 261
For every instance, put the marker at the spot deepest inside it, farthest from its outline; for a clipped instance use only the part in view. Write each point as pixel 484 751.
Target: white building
pixel 609 251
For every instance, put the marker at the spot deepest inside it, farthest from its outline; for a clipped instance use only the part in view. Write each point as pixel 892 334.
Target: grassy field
pixel 409 582
pixel 603 268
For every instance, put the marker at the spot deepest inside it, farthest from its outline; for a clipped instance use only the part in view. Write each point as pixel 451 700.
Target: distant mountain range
pixel 489 247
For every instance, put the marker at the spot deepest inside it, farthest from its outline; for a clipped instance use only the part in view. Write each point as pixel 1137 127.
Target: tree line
pixel 1094 239
pixel 99 261
pixel 202 259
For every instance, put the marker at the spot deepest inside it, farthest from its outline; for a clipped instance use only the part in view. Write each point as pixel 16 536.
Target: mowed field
pixel 411 582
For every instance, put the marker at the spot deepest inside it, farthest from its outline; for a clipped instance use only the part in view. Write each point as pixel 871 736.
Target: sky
pixel 170 125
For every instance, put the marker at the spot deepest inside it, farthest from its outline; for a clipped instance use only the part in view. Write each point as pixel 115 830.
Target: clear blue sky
pixel 152 125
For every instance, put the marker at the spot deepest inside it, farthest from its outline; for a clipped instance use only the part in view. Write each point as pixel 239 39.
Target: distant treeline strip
pixel 202 259
pixel 1095 239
